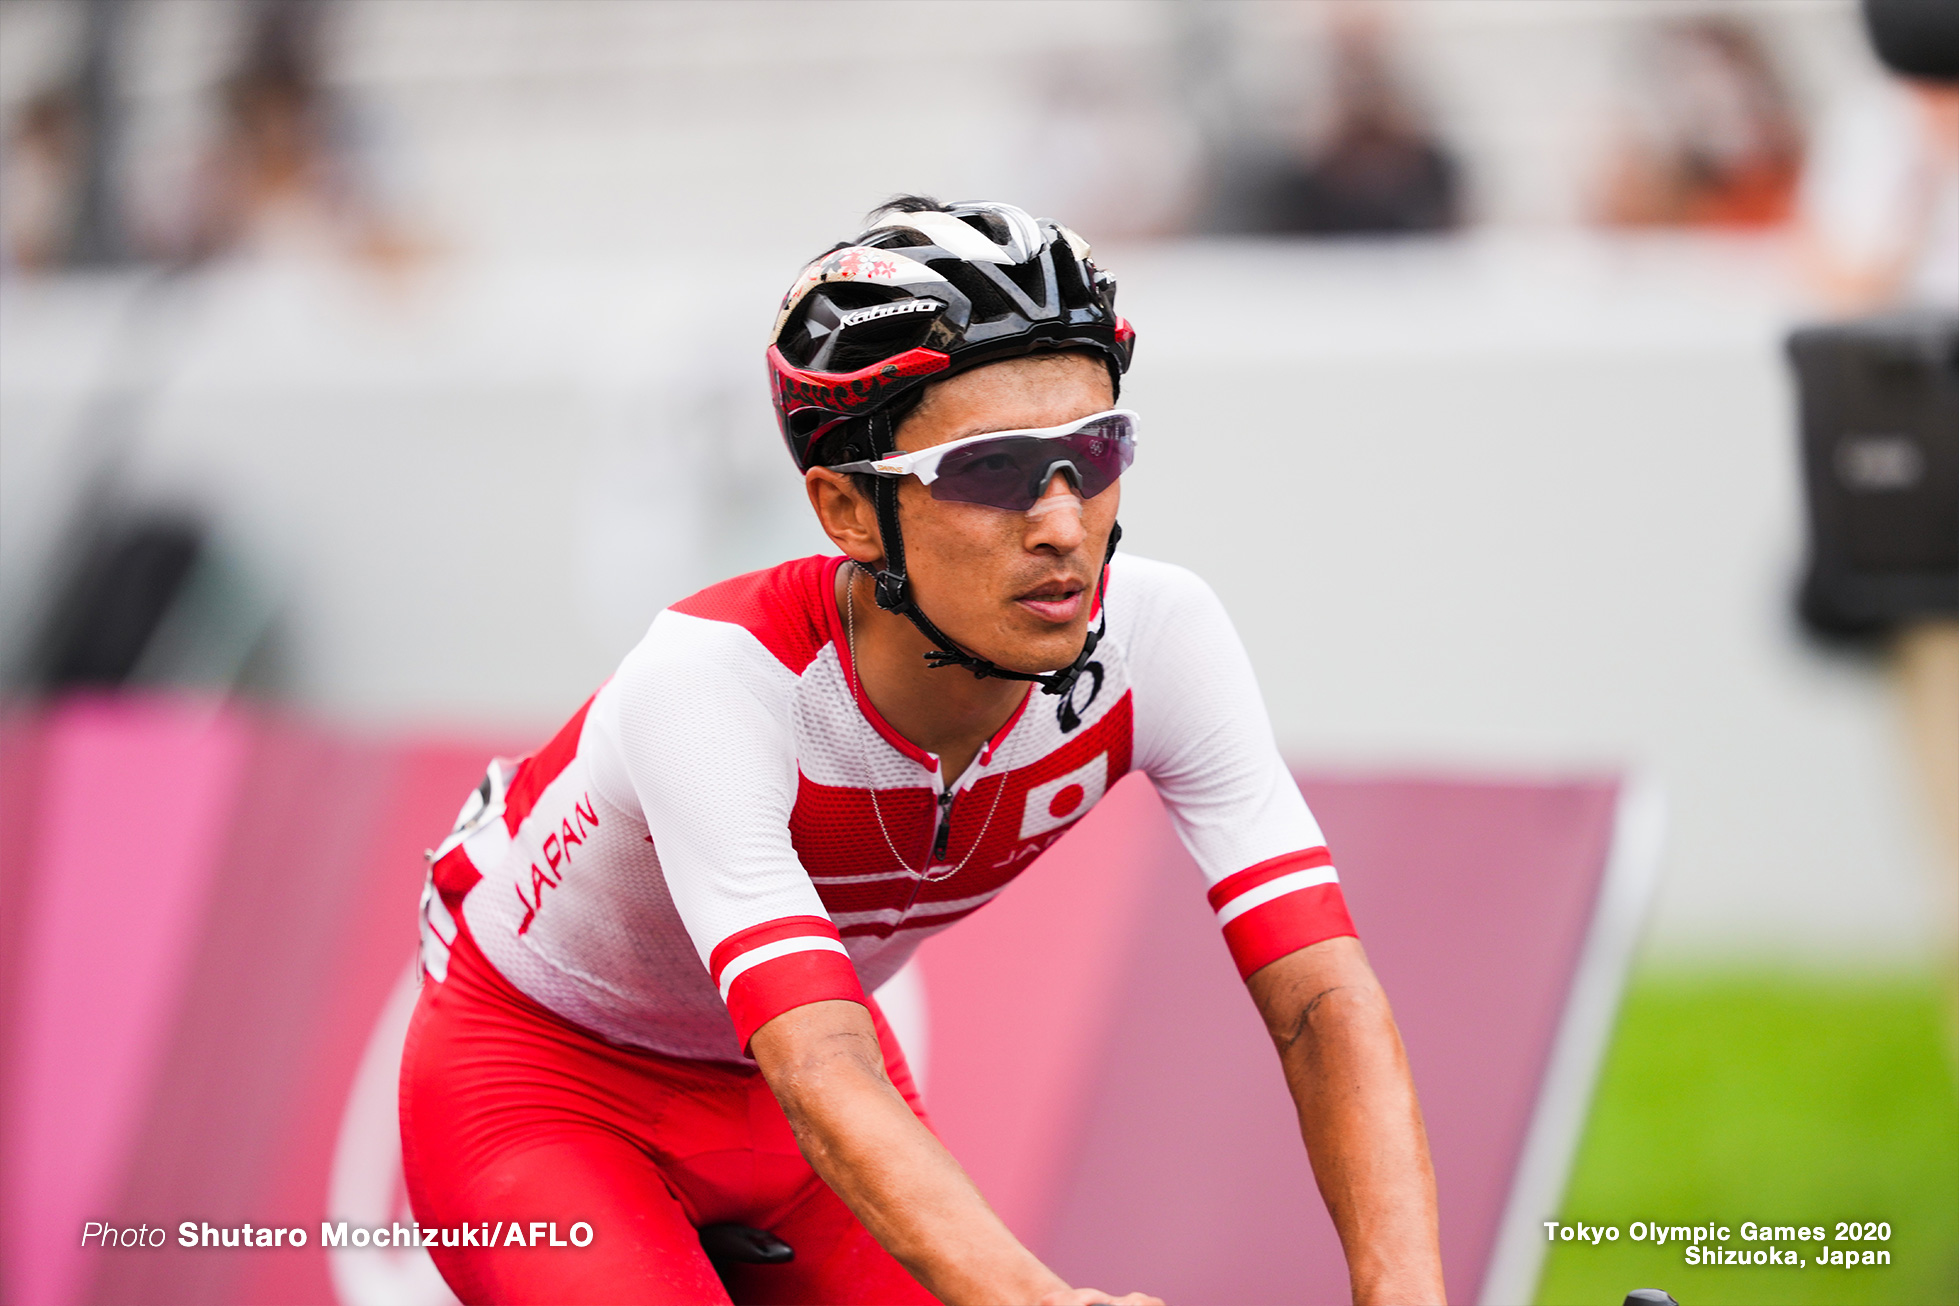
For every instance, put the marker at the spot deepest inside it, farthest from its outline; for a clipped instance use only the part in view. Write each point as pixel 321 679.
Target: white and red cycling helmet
pixel 927 291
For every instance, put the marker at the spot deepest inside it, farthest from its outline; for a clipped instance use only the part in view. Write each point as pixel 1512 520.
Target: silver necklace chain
pixel 857 682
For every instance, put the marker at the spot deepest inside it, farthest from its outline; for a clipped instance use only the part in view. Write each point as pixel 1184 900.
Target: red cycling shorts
pixel 510 1113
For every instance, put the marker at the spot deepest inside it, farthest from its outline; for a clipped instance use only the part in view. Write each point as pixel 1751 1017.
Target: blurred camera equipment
pixel 109 612
pixel 1915 38
pixel 1878 422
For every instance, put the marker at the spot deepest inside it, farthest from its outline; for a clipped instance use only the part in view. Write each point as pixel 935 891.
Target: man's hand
pixel 825 1066
pixel 1349 1076
pixel 1091 1297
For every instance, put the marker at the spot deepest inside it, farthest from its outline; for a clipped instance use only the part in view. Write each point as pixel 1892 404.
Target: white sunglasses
pixel 1012 469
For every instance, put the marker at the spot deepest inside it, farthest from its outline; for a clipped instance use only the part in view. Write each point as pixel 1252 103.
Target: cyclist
pixel 649 946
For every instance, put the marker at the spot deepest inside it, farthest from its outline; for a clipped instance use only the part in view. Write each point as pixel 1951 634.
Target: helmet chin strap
pixel 894 592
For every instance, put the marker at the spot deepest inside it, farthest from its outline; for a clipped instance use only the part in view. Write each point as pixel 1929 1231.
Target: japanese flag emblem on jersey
pixel 1059 801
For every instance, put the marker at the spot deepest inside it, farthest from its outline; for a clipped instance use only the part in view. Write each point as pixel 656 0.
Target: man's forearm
pixel 864 1141
pixel 1364 1135
pixel 1349 1076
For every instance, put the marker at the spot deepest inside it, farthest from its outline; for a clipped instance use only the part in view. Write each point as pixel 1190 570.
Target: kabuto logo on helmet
pixel 928 291
pixel 864 315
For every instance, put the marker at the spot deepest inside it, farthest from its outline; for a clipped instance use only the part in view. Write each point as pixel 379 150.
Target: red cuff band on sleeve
pixel 1260 873
pixel 766 990
pixel 1280 905
pixel 767 969
pixel 1296 920
pixel 743 942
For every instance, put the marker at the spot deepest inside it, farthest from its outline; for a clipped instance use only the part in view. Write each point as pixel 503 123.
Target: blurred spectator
pixel 1879 195
pixel 58 194
pixel 1375 167
pixel 42 163
pixel 1712 139
pixel 281 175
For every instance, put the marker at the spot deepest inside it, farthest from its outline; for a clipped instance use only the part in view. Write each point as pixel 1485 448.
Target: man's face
pixel 1012 587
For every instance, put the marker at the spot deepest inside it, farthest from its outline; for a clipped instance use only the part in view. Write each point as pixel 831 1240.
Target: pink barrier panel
pixel 1099 1067
pixel 135 800
pixel 218 904
pixel 200 1006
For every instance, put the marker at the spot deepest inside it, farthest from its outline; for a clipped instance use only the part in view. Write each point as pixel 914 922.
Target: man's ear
pixel 847 517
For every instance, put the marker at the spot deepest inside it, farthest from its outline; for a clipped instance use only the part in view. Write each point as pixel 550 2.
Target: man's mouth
pixel 1057 602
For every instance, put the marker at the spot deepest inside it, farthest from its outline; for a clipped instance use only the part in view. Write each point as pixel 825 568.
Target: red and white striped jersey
pixel 728 829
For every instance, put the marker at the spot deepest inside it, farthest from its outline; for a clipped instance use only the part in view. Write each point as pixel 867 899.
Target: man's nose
pixel 1056 518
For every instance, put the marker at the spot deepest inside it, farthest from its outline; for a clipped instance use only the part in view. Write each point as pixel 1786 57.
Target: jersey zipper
pixel 941 836
pixel 945 832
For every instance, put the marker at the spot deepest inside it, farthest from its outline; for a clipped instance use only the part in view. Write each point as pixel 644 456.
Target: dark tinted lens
pixel 997 473
pixel 1012 472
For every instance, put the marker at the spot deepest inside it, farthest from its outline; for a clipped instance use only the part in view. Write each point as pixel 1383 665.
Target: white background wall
pixel 1516 501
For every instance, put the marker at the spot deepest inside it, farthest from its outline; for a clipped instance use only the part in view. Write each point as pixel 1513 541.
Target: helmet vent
pixel 1068 279
pixel 1028 276
pixel 988 225
pixel 988 301
pixel 814 322
pixel 875 341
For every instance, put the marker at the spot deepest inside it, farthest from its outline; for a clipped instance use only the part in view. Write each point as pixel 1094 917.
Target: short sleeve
pixel 1204 739
pixel 704 733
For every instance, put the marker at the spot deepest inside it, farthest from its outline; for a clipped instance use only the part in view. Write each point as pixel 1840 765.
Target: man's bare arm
pixel 824 1064
pixel 1350 1080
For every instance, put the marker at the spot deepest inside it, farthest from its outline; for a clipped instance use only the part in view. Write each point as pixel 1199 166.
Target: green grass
pixel 1775 1098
